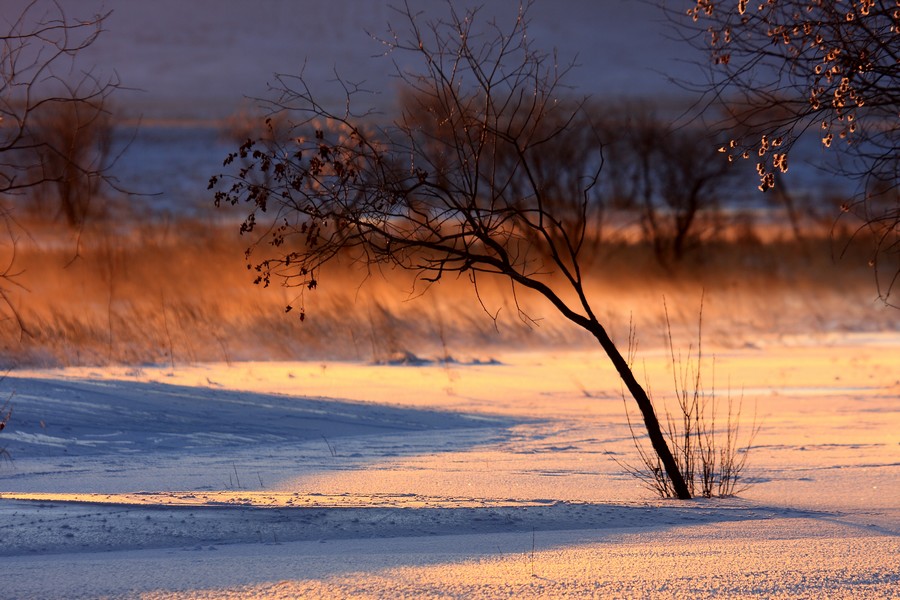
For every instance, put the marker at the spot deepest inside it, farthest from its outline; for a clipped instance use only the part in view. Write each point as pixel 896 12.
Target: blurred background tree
pixel 668 175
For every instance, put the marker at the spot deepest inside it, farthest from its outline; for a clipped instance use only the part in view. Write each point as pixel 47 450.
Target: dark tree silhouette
pixel 831 70
pixel 458 184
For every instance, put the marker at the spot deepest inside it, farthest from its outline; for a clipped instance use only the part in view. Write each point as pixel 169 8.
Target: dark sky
pixel 200 58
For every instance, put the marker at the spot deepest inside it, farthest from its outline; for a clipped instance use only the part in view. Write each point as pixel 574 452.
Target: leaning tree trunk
pixel 646 407
pixel 640 396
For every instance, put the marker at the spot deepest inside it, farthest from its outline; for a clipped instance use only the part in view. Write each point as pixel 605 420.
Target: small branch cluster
pixel 833 66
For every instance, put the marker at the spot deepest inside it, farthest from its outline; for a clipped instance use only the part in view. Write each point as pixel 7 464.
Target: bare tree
pixel 54 118
pixel 472 200
pixel 831 70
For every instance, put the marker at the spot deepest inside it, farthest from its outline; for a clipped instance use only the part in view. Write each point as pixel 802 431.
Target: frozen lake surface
pixel 347 479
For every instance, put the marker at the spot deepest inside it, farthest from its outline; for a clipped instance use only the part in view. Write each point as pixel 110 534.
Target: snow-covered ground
pixel 465 479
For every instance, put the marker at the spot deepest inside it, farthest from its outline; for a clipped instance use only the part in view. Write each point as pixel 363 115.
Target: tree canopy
pixel 789 69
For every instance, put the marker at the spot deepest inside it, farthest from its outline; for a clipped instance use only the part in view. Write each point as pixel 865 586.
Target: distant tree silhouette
pixel 669 175
pixel 460 184
pixel 789 68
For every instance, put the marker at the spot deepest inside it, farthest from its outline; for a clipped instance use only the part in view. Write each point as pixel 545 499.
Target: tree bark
pixel 646 407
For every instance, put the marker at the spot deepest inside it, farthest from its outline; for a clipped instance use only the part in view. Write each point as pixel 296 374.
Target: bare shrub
pixel 706 437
